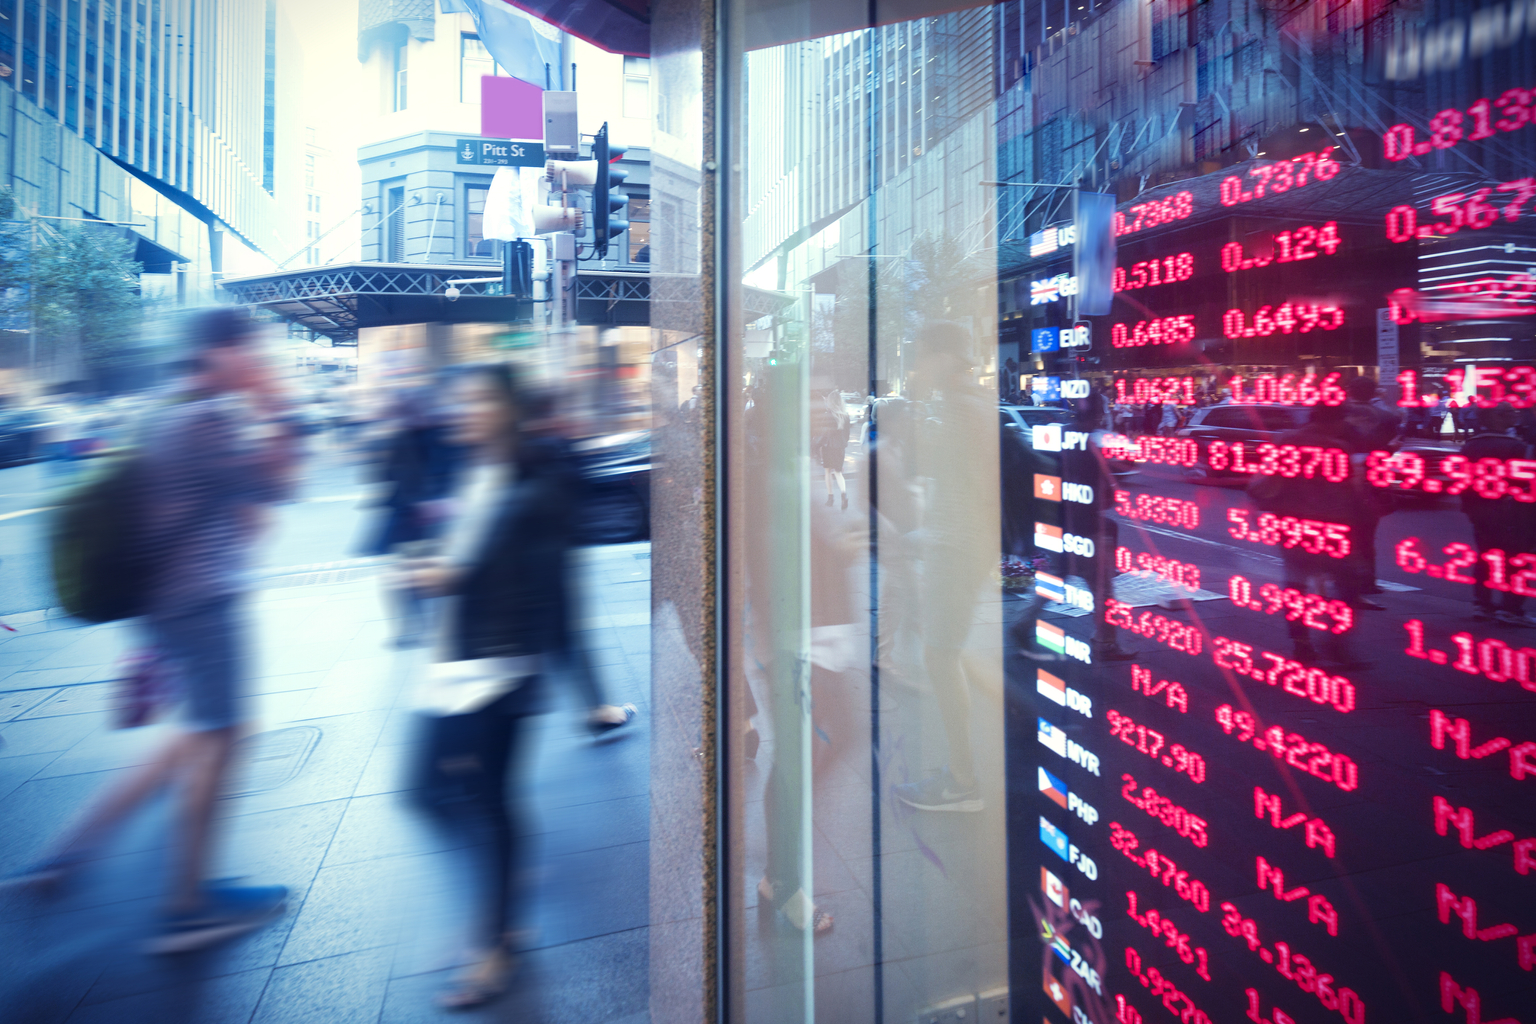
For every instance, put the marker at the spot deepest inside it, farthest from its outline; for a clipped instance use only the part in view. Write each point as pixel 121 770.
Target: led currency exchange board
pixel 1279 745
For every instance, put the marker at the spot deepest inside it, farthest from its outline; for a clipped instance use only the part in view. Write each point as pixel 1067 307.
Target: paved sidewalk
pixel 376 918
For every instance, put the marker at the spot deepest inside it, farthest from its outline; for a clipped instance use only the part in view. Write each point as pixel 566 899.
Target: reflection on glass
pixel 1173 646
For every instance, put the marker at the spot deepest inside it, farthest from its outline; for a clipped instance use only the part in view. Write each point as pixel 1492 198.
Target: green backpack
pixel 100 563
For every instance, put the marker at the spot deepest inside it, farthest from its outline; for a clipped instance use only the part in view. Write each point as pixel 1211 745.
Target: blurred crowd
pixel 478 488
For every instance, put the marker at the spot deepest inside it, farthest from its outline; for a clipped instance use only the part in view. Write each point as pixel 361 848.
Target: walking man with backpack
pixel 207 463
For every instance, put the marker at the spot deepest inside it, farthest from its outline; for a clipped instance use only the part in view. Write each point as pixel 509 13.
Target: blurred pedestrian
pixel 1375 427
pixel 416 472
pixel 955 559
pixel 1337 502
pixel 205 480
pixel 1168 422
pixel 829 440
pixel 1459 418
pixel 544 422
pixel 503 574
pixel 1503 524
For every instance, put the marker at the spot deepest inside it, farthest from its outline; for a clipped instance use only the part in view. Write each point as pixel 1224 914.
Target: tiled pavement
pixel 376 918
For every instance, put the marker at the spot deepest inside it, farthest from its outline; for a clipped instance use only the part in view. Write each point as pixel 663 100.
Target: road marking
pixel 25 512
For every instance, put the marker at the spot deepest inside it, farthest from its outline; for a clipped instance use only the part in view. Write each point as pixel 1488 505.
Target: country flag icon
pixel 1053 788
pixel 1052 737
pixel 1052 887
pixel 1050 686
pixel 1054 838
pixel 1057 992
pixel 1052 588
pixel 1045 437
pixel 1051 637
pixel 1047 488
pixel 1048 538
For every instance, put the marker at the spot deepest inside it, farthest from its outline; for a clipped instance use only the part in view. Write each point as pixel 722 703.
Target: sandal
pixel 797 911
pixel 604 728
pixel 479 983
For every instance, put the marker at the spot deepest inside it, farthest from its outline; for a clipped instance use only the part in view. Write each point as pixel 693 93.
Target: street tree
pixel 80 287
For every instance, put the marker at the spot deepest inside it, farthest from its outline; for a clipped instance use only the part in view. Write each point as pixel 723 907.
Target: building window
pixel 638 244
pixel 637 87
pixel 269 102
pixel 398 67
pixel 395 218
pixel 309 170
pixel 475 242
pixel 475 62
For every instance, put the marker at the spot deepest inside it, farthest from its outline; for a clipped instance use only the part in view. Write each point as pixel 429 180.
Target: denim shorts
pixel 204 650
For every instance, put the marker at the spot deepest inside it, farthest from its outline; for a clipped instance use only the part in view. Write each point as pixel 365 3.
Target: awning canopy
pixel 618 26
pixel 624 26
pixel 337 301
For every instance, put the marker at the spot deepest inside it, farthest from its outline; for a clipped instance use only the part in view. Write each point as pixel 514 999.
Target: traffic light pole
pixel 563 279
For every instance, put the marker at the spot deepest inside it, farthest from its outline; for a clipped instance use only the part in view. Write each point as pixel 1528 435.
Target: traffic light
pixel 517 270
pixel 604 202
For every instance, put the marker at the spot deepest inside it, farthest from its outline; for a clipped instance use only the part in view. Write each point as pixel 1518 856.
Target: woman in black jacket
pixel 502 573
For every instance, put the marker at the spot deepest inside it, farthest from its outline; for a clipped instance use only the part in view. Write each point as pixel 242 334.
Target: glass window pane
pixel 1134 422
pixel 474 220
pixel 637 96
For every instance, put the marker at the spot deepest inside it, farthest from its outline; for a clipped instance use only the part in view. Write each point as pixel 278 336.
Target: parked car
pixel 22 433
pixel 1432 451
pixel 1251 424
pixel 616 500
pixel 1026 416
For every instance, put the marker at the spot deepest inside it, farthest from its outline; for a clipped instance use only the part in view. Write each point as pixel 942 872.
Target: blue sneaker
pixel 42 875
pixel 227 911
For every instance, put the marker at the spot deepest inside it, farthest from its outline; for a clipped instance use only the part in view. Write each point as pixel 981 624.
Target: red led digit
pixel 1311 535
pixel 1279 177
pixel 1302 243
pixel 1154 213
pixel 1149 273
pixel 1294 749
pixel 1491 658
pixel 1190 826
pixel 1288 460
pixel 1159 627
pixel 1162 868
pixel 1169 330
pixel 1169 451
pixel 1151 743
pixel 1287 318
pixel 1287 389
pixel 1294 967
pixel 1448 128
pixel 1460 556
pixel 1156 509
pixel 1314 610
pixel 1314 684
pixel 1155 390
pixel 1405 223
